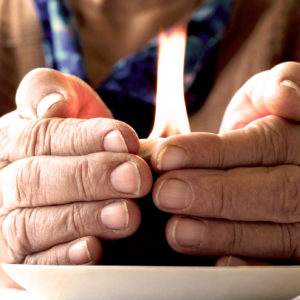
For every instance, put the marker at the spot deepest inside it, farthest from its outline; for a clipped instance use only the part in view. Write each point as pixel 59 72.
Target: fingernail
pixel 291 84
pixel 186 233
pixel 174 194
pixel 223 261
pixel 126 178
pixel 47 102
pixel 228 260
pixel 114 142
pixel 115 215
pixel 79 253
pixel 172 157
pixel 236 261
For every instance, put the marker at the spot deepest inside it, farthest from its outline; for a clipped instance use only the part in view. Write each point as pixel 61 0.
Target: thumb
pixel 273 92
pixel 45 93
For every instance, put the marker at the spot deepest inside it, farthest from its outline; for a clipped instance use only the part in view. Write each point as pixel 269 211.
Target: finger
pixel 235 194
pixel 266 142
pixel 274 92
pixel 234 261
pixel 31 230
pixel 83 251
pixel 64 137
pixel 46 93
pixel 219 237
pixel 48 180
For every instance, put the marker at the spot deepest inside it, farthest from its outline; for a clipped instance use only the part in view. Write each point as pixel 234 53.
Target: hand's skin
pixel 58 184
pixel 46 93
pixel 251 140
pixel 237 193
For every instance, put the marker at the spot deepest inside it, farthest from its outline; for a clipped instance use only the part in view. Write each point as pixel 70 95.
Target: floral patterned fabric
pixel 129 91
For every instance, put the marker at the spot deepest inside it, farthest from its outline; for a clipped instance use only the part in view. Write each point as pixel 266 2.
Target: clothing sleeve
pixel 20 47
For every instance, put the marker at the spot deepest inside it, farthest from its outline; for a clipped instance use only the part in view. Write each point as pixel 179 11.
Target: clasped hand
pixel 68 182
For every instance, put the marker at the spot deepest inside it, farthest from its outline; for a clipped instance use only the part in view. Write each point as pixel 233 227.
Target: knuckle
pixel 27 182
pixel 9 256
pixel 49 257
pixel 219 153
pixel 236 238
pixel 287 189
pixel 83 219
pixel 32 260
pixel 273 142
pixel 221 196
pixel 35 139
pixel 224 205
pixel 84 176
pixel 15 233
pixel 76 221
pixel 289 242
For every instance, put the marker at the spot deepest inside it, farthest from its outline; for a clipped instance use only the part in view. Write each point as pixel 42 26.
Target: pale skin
pixel 66 175
pixel 245 180
pixel 243 183
pixel 139 22
pixel 241 198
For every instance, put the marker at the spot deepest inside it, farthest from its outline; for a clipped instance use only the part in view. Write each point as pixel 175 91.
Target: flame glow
pixel 170 114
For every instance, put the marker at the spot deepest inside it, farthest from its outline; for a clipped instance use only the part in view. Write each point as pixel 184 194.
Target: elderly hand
pixel 237 193
pixel 65 184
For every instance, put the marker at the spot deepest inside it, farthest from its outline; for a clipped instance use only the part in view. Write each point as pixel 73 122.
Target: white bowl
pixel 141 282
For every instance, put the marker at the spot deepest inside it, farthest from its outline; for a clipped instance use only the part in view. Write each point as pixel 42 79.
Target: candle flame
pixel 170 114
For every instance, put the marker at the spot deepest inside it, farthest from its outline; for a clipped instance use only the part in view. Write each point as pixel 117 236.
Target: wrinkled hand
pixel 62 184
pixel 237 193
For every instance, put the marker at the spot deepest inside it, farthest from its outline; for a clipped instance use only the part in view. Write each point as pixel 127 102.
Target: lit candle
pixel 170 111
